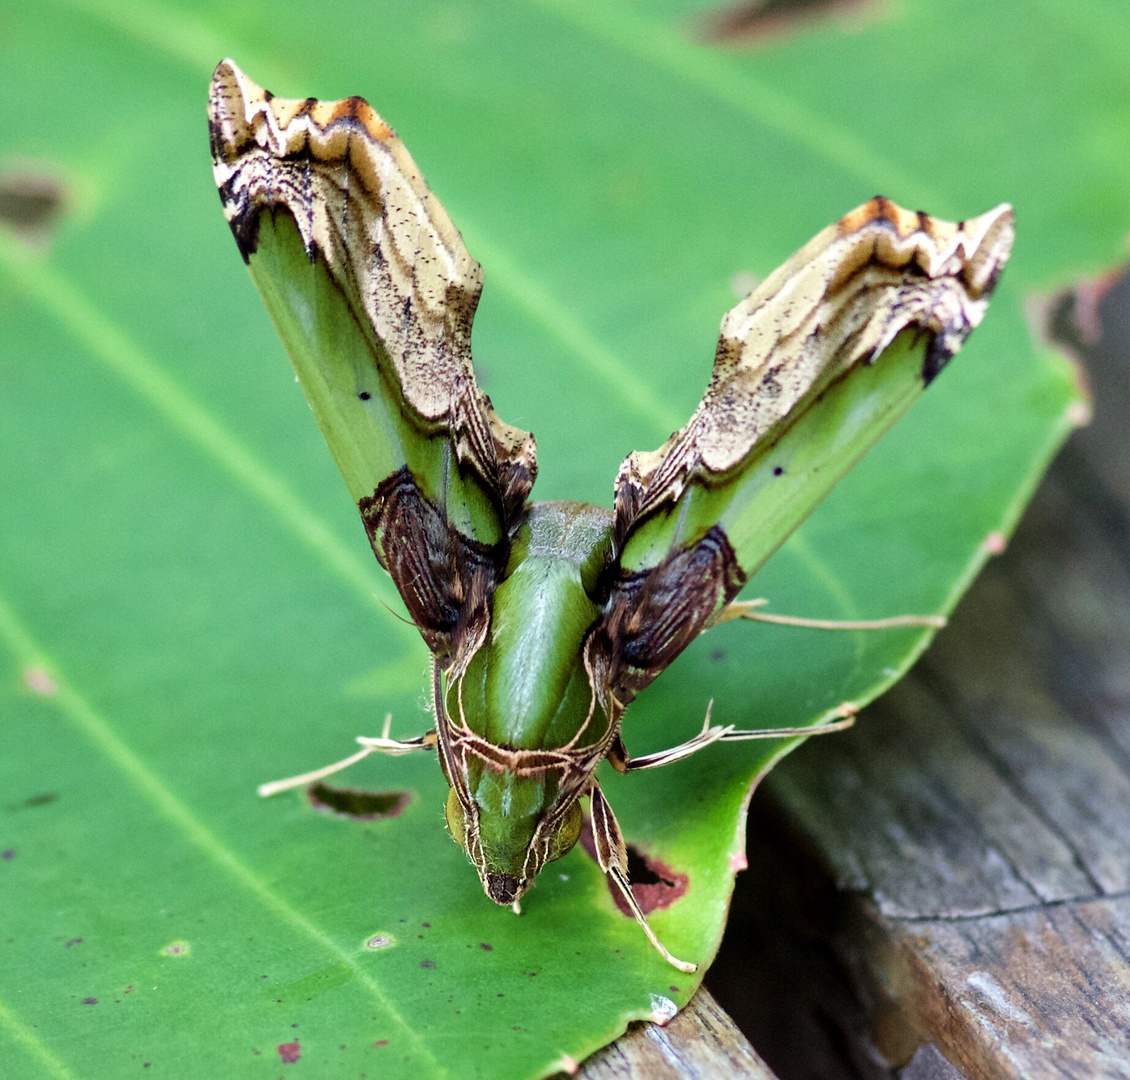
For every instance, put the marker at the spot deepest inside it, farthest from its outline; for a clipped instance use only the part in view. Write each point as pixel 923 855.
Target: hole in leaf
pixel 31 199
pixel 1090 322
pixel 752 21
pixel 359 805
pixel 1074 317
pixel 642 872
pixel 654 884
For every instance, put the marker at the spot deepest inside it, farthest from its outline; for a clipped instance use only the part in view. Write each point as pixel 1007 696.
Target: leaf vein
pixel 102 735
pixel 147 23
pixel 714 72
pixel 109 344
pixel 27 1038
pixel 538 304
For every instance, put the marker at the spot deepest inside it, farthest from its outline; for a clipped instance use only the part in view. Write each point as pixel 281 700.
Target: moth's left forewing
pixel 794 400
pixel 373 294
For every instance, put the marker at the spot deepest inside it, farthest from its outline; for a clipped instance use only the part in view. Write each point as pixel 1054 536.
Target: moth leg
pixel 736 735
pixel 379 745
pixel 746 609
pixel 620 760
pixel 612 857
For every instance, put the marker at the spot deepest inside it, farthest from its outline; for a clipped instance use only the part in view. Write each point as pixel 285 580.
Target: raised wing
pixel 373 295
pixel 796 398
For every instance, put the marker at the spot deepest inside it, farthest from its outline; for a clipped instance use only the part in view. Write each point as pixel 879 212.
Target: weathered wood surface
pixel 949 883
pixel 701 1043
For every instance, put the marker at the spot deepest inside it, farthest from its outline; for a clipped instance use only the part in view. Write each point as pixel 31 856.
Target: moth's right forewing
pixel 838 302
pixel 794 401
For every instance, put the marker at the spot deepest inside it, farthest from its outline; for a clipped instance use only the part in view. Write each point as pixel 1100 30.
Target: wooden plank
pixel 700 1043
pixel 952 877
pixel 1038 993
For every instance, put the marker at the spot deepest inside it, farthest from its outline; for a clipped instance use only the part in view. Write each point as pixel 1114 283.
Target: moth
pixel 546 619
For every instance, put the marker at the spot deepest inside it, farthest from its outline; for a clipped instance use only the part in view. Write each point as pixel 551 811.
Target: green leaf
pixel 188 605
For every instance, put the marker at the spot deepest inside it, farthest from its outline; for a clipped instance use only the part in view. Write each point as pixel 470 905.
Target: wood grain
pixel 701 1043
pixel 953 875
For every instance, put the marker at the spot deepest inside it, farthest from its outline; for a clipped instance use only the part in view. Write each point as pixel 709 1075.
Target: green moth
pixel 545 620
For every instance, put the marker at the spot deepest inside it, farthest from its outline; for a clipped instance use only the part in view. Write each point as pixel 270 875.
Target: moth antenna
pixel 397 615
pixel 442 695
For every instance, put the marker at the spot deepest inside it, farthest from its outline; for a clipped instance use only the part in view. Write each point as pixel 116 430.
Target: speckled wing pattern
pixel 838 302
pixel 373 295
pixel 378 326
pixel 361 203
pixel 831 309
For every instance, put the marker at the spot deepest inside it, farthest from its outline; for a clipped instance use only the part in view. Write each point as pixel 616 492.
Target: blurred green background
pixel 188 605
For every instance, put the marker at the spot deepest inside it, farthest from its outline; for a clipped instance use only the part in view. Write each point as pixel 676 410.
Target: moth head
pixel 509 833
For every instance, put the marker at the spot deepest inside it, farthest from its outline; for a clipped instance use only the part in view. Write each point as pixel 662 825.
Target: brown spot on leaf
pixel 750 22
pixel 381 1042
pixel 76 941
pixel 1086 321
pixel 356 804
pixel 31 199
pixel 90 1001
pixel 1074 316
pixel 45 798
pixel 8 854
pixel 289 1052
pixel 654 884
